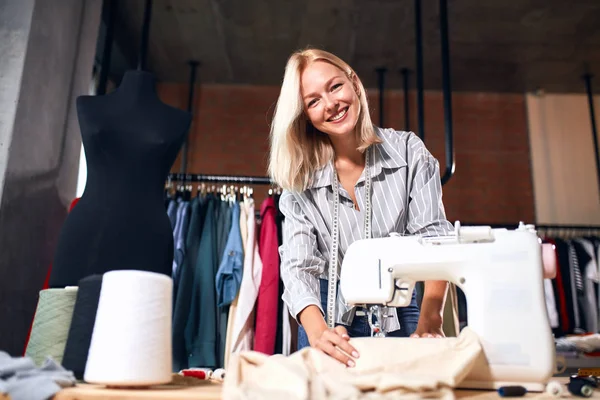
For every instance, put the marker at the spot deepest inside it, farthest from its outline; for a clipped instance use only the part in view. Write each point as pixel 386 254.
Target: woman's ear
pixel 354 80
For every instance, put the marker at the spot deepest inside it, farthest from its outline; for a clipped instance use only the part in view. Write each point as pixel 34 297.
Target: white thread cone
pixel 131 342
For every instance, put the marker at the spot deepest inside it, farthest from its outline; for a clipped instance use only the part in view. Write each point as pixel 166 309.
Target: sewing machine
pixel 500 272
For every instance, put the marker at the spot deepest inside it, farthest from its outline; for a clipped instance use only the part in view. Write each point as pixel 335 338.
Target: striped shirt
pixel 406 198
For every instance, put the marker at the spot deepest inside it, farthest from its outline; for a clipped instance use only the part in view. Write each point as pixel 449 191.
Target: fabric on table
pixel 387 368
pixel 21 379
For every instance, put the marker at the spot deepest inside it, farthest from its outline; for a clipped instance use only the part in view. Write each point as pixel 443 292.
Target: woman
pixel 322 143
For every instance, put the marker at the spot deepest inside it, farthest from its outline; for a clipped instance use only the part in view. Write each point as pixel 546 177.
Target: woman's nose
pixel 330 102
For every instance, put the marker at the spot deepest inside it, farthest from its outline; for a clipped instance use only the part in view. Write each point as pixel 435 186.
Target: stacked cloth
pixel 387 368
pixel 21 379
pixel 584 344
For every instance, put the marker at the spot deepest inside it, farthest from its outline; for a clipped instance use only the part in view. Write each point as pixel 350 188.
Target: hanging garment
pixel 577 284
pixel 286 331
pixel 182 303
pixel 564 289
pixel 550 303
pixel 268 293
pixel 243 329
pixel 425 369
pixel 281 317
pixel 243 223
pixel 587 260
pixel 229 277
pixel 223 226
pixel 224 223
pixel 201 327
pixel 179 236
pixel 172 212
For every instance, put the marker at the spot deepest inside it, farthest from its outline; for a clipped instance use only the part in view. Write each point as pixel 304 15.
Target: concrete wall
pixel 46 59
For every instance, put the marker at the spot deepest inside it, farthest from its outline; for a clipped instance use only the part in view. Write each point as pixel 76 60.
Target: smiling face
pixel 330 99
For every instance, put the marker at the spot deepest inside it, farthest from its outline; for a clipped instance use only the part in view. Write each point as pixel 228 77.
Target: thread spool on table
pixel 554 388
pixel 51 323
pixel 82 325
pixel 131 341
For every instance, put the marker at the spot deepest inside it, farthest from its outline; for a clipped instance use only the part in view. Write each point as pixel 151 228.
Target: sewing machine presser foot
pixel 379 312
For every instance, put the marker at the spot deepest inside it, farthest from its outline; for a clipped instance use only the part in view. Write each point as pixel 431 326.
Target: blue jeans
pixel 408 317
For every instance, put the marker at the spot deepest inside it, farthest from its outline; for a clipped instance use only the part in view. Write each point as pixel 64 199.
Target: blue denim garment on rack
pixel 229 275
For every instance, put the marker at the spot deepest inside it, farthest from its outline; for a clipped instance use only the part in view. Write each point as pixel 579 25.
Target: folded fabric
pixel 21 379
pixel 584 343
pixel 399 368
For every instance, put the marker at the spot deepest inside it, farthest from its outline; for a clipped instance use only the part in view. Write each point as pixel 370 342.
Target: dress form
pixel 131 139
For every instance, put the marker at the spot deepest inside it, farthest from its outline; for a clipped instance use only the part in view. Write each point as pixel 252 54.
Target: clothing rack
pixel 240 179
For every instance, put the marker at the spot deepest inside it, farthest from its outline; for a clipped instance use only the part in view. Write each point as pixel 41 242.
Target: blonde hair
pixel 297 148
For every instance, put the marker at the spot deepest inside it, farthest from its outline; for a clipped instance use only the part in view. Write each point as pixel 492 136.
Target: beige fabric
pixel 233 305
pixel 388 368
pixel 451 324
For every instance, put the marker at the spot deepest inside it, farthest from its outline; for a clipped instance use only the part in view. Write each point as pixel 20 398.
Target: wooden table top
pixel 208 390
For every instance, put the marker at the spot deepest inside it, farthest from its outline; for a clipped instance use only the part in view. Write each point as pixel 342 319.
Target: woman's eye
pixel 312 102
pixel 337 85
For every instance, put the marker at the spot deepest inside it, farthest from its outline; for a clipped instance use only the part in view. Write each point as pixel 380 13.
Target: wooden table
pixel 212 391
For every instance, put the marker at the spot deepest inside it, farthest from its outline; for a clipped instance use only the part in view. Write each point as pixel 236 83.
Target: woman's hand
pixel 334 342
pixel 429 327
pixel 432 308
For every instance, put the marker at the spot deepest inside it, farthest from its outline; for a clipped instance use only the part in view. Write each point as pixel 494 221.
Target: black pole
pixel 111 7
pixel 447 89
pixel 588 85
pixel 145 35
pixel 419 70
pixel 193 66
pixel 405 72
pixel 381 80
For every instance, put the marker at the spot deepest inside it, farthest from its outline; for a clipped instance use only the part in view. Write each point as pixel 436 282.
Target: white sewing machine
pixel 500 272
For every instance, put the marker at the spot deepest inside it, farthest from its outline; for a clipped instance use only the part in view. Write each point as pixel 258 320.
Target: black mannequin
pixel 131 139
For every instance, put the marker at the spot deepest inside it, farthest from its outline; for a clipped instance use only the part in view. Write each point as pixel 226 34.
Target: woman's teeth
pixel 339 115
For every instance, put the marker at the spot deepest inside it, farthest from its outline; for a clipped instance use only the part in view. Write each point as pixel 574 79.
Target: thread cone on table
pixel 82 325
pixel 51 324
pixel 131 340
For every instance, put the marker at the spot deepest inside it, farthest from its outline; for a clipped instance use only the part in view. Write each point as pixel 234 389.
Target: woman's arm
pixel 301 263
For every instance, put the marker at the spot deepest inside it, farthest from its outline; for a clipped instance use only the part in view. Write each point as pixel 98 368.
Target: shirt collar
pixel 386 156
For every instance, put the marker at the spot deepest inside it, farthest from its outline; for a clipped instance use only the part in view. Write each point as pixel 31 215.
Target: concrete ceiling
pixel 495 45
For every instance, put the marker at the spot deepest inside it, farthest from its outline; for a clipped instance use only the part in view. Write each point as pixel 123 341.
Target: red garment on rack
pixel 562 301
pixel 46 284
pixel 267 303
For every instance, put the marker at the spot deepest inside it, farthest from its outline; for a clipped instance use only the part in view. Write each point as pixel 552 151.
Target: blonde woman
pixel 331 160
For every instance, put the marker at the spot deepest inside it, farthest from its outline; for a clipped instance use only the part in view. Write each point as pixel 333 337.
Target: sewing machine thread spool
pixel 581 386
pixel 554 388
pixel 512 391
pixel 219 374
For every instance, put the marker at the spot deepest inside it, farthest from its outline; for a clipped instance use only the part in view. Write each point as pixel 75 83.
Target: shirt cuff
pixel 301 304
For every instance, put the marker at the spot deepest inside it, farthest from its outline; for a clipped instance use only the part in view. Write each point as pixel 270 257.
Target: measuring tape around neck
pixel 333 257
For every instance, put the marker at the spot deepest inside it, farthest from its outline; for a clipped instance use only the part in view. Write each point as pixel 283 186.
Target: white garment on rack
pixel 286 332
pixel 243 324
pixel 550 304
pixel 590 279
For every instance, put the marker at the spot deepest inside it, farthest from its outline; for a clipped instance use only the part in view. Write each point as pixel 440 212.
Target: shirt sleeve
pixel 426 214
pixel 301 261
